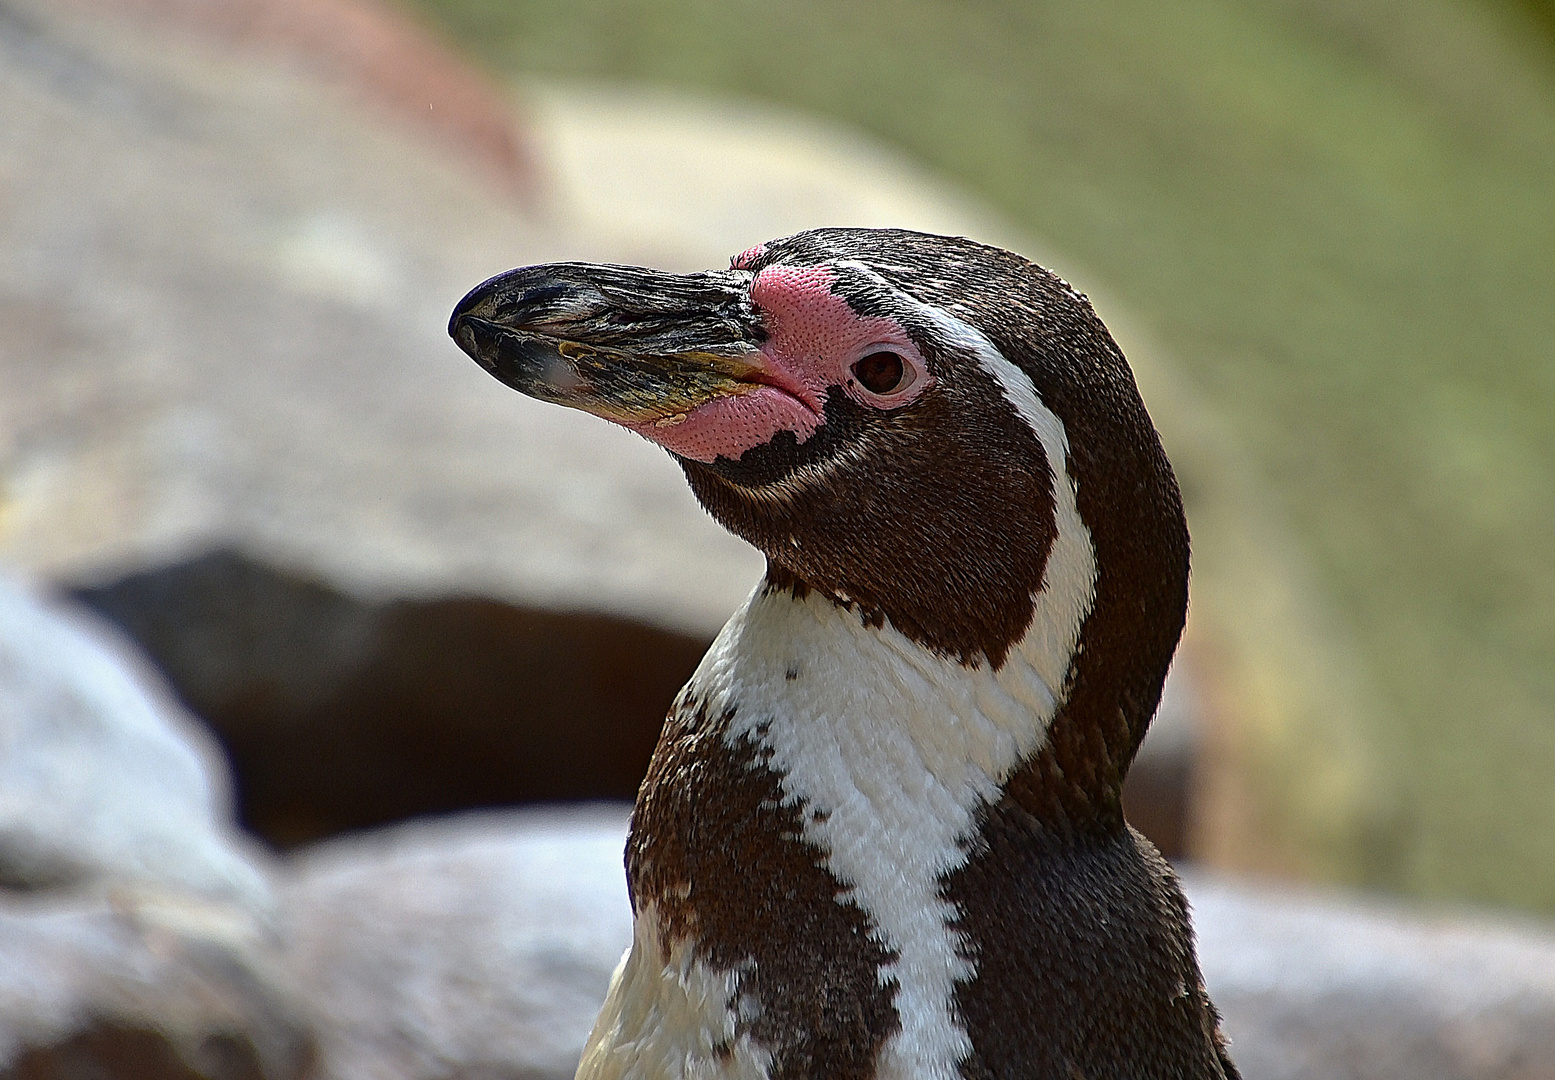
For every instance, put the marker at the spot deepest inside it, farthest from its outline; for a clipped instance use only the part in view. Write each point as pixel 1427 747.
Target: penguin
pixel 882 835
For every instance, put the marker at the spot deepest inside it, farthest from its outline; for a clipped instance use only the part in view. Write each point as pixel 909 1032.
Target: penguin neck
pixel 872 759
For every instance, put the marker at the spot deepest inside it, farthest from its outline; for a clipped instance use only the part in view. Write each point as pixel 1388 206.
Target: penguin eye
pixel 880 372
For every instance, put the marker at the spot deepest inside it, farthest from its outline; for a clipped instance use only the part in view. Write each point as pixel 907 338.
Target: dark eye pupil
pixel 880 373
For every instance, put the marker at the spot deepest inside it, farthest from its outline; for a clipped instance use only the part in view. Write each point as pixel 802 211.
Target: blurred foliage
pixel 1339 215
pixel 1542 10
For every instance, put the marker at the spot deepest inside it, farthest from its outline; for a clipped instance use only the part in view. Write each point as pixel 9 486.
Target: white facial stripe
pixel 1069 584
pixel 1069 581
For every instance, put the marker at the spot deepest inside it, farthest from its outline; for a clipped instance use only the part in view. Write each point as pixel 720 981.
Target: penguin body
pixel 881 835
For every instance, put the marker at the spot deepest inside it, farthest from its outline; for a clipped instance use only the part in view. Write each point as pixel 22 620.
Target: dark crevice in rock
pixel 110 1050
pixel 340 713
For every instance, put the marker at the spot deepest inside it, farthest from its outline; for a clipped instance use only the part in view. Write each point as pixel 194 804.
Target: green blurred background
pixel 1335 220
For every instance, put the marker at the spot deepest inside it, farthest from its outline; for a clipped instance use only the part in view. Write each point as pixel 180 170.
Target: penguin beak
pixel 635 346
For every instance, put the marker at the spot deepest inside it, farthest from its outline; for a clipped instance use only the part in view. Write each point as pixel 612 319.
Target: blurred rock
pixel 375 51
pixel 136 925
pixel 147 985
pixel 474 946
pixel 1324 986
pixel 103 782
pixel 696 179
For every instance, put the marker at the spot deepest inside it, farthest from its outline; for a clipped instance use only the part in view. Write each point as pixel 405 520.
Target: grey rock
pixel 136 924
pixel 1334 986
pixel 476 945
pixel 103 781
pixel 144 984
pixel 344 714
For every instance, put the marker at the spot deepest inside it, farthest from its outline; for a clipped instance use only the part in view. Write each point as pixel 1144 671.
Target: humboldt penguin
pixel 881 835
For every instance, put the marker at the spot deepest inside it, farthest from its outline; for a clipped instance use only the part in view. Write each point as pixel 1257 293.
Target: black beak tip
pixel 482 342
pixel 462 331
pixel 519 361
pixel 459 324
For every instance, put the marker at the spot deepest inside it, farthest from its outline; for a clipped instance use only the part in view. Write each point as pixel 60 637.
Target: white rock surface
pixel 1318 985
pixel 475 945
pixel 104 782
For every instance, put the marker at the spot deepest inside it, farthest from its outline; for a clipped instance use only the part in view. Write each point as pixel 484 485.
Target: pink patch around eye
pixel 813 337
pixel 813 332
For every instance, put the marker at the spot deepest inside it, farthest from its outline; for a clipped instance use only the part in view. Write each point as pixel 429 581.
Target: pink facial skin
pixel 745 259
pixel 813 340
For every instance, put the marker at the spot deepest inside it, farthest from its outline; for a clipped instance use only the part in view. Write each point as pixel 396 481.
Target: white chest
pixel 890 751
